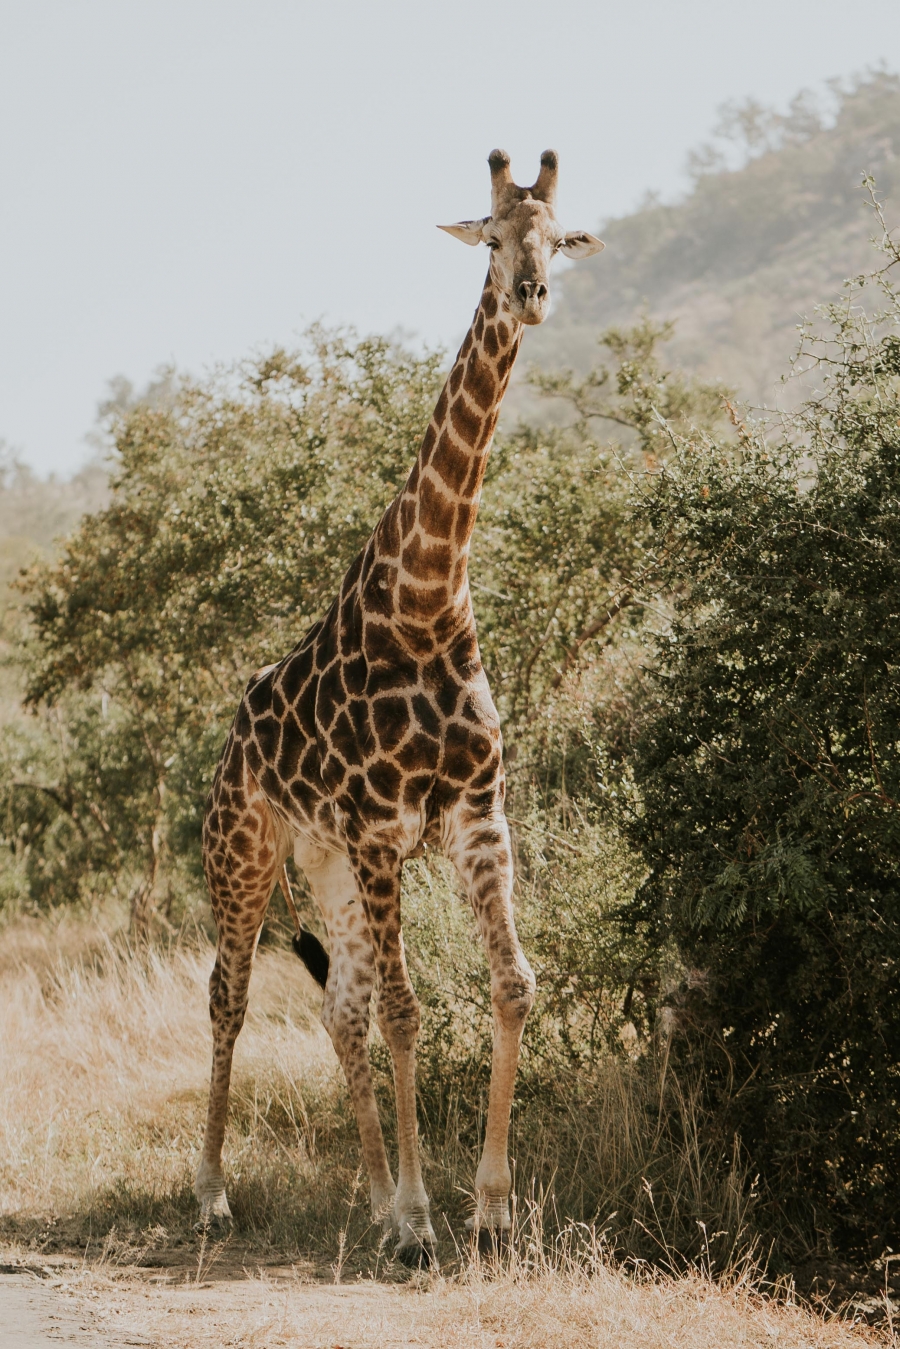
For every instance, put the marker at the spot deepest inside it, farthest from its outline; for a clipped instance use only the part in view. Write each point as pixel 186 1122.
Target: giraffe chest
pixel 406 728
pixel 375 736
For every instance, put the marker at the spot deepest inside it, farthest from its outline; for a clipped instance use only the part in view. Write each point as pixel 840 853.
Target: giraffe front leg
pixel 345 1010
pixel 481 852
pixel 378 869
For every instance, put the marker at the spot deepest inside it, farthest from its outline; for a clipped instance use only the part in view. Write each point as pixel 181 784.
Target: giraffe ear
pixel 577 244
pixel 469 231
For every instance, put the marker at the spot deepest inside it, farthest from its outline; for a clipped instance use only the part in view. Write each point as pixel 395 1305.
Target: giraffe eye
pixel 492 243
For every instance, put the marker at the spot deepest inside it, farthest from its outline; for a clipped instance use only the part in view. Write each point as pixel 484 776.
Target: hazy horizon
pixel 186 183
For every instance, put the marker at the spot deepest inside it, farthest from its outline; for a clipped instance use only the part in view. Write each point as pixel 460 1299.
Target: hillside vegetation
pixel 774 222
pixel 36 512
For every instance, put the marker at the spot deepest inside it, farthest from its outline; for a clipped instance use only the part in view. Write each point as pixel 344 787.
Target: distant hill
pixel 34 512
pixel 750 250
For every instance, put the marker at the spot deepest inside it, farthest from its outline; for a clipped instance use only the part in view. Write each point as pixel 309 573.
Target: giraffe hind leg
pixel 241 864
pixel 349 979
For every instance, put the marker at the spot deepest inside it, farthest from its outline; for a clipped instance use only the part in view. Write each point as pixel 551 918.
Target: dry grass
pixel 104 1058
pixel 104 1061
pixel 600 1307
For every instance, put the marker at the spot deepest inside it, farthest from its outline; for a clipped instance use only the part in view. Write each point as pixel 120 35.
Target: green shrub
pixel 769 782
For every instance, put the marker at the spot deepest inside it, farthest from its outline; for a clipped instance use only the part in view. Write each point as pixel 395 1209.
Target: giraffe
pixel 377 736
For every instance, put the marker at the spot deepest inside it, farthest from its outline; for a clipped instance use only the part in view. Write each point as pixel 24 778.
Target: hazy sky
pixel 190 180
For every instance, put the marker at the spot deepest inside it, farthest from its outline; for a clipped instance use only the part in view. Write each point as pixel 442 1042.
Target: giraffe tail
pixel 306 946
pixel 313 954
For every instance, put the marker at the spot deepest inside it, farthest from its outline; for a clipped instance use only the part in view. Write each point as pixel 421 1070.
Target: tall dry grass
pixel 574 1300
pixel 104 1060
pixel 104 1055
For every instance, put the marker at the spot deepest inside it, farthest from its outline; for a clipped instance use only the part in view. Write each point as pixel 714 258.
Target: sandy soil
pixel 34 1316
pixel 286 1306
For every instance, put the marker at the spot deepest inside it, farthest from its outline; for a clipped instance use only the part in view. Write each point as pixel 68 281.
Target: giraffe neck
pixel 423 540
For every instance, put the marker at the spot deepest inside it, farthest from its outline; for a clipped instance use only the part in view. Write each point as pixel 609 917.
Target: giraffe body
pixel 377 735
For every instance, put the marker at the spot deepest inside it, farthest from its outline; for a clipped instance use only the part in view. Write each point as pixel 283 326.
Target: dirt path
pixel 271 1312
pixel 34 1316
pixel 65 1305
pixel 111 1313
pixel 110 1307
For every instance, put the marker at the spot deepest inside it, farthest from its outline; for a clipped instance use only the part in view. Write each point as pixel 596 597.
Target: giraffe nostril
pixel 531 290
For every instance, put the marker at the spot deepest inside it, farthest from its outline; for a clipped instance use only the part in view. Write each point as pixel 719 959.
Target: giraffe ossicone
pixel 377 734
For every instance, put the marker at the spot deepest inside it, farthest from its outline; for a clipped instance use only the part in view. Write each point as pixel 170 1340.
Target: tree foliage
pixel 234 509
pixel 769 776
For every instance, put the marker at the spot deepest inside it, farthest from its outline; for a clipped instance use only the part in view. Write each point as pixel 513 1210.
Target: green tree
pixel 769 779
pixel 562 571
pixel 234 509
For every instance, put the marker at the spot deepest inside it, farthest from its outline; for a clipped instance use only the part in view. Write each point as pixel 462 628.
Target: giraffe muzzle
pixel 530 301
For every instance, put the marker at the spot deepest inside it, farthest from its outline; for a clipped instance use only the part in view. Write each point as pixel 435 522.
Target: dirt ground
pixel 83 1308
pixel 220 1304
pixel 32 1316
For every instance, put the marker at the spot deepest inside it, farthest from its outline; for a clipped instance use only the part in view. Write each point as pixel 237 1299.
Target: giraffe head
pixel 523 234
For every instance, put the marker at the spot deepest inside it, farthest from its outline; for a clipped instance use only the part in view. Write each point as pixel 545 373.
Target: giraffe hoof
pixel 492 1243
pixel 214 1225
pixel 417 1255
